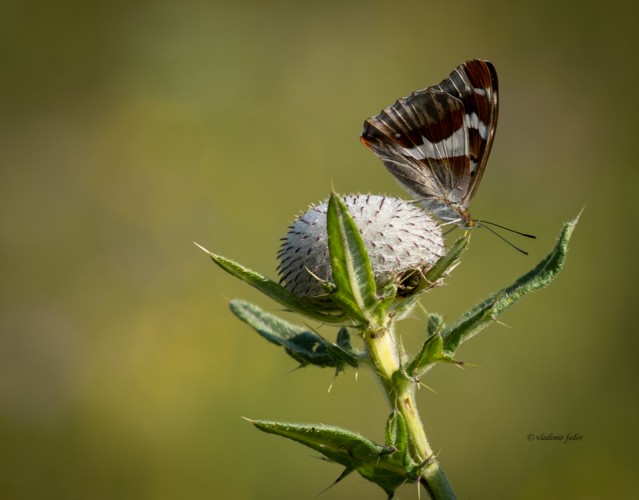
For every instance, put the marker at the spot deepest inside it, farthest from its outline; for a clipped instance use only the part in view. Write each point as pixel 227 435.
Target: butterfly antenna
pixel 507 229
pixel 504 239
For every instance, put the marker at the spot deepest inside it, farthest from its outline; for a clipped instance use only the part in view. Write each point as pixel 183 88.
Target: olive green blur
pixel 128 130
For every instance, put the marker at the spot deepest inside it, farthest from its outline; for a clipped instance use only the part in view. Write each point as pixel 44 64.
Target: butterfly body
pixel 436 141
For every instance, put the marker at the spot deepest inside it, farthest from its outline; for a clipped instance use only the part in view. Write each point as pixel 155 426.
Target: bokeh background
pixel 130 129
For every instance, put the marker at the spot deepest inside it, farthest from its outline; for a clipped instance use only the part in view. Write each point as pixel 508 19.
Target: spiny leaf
pixel 443 266
pixel 484 313
pixel 446 263
pixel 382 465
pixel 350 265
pixel 302 344
pixel 273 289
pixel 397 439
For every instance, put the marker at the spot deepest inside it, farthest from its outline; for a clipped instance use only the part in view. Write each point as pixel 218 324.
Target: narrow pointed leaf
pixel 350 265
pixel 396 433
pixel 432 350
pixel 379 464
pixel 443 266
pixel 343 340
pixel 448 261
pixel 303 345
pixel 273 289
pixel 435 323
pixel 484 313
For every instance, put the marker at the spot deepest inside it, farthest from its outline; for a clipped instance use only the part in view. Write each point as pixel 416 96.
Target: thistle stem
pixel 385 354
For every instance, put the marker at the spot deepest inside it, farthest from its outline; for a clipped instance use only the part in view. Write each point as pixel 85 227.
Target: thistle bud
pixel 401 239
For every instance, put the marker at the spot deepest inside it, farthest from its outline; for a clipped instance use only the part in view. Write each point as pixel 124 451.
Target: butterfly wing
pixel 475 84
pixel 423 142
pixel 436 141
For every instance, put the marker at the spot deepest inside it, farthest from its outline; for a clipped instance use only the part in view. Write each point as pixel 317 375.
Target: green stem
pixel 386 356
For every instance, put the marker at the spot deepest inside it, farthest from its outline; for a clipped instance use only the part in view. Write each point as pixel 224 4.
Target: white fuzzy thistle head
pixel 401 239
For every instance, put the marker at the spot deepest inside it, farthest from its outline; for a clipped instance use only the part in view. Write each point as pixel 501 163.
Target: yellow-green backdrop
pixel 130 129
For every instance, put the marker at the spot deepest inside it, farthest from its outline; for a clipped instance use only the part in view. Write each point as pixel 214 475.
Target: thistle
pixel 360 263
pixel 402 242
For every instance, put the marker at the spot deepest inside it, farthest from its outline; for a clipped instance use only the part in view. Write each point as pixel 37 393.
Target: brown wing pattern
pixel 423 143
pixel 475 84
pixel 436 141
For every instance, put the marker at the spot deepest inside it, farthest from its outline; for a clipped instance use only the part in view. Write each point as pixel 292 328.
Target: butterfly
pixel 436 141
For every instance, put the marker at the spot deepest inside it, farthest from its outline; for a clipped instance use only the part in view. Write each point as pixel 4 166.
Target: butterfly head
pixel 464 219
pixel 467 222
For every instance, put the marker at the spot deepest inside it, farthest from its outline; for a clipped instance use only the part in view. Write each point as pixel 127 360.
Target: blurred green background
pixel 130 129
